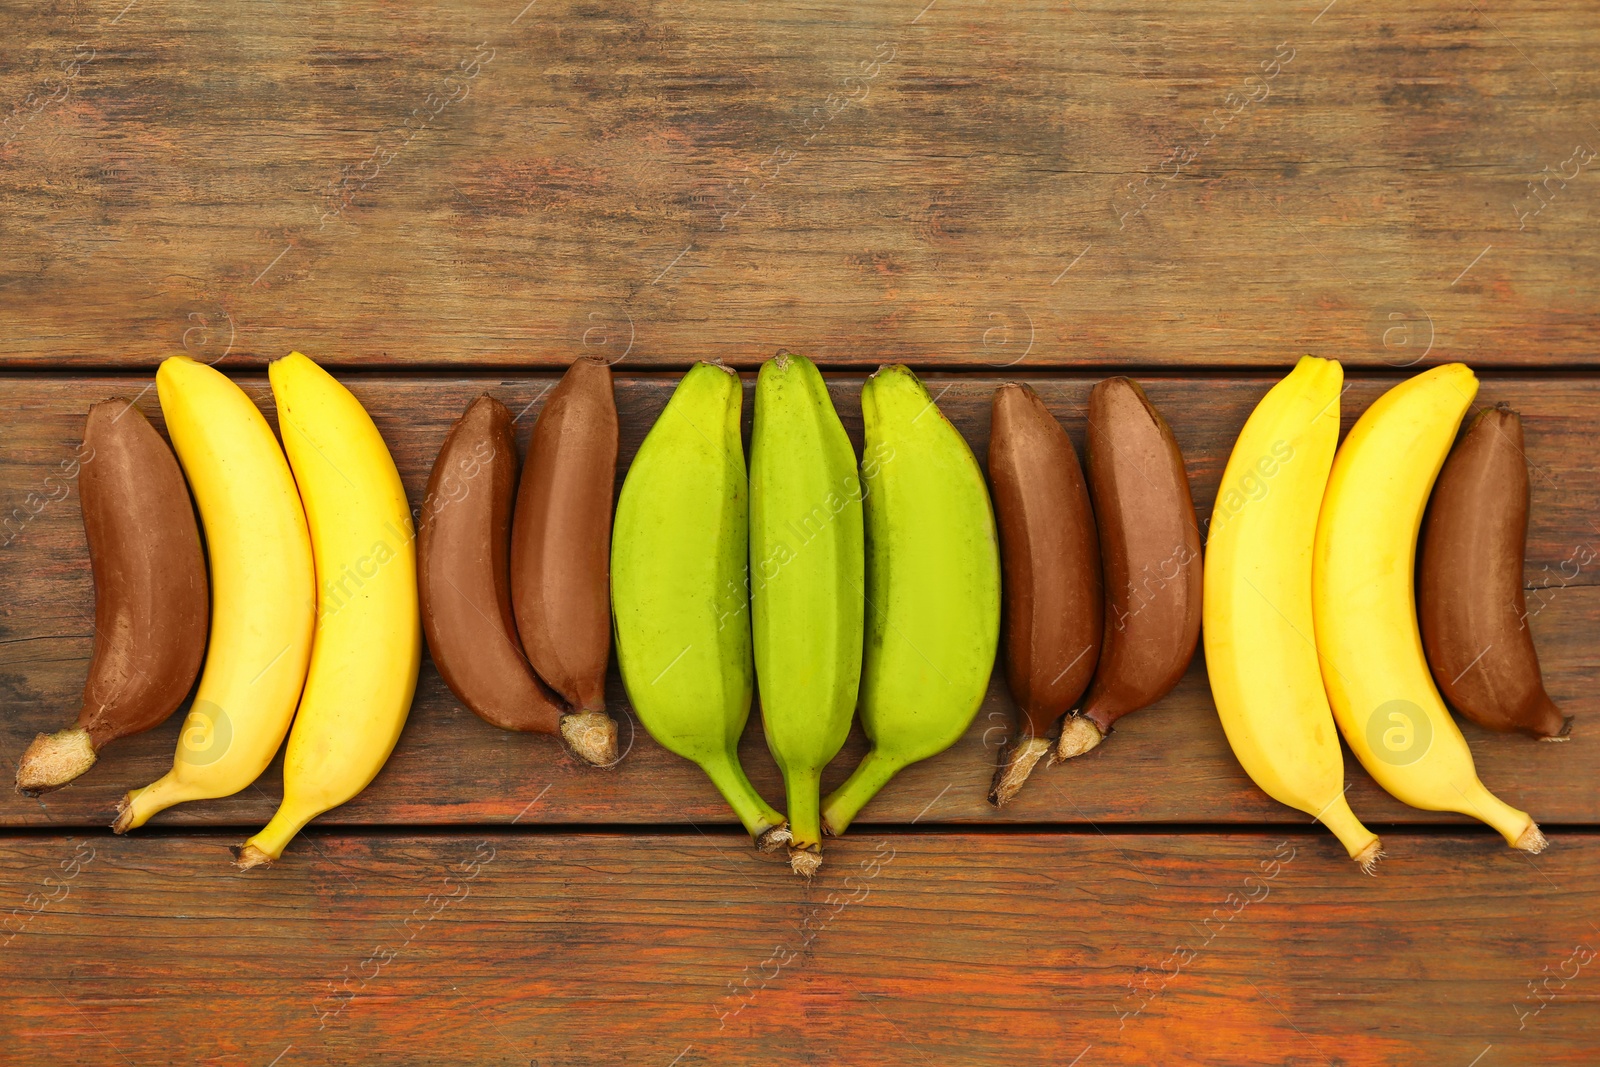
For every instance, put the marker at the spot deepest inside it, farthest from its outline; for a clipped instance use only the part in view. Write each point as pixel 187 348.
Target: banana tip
pixel 592 736
pixel 770 839
pixel 247 856
pixel 53 760
pixel 1369 857
pixel 1078 735
pixel 804 862
pixel 1532 841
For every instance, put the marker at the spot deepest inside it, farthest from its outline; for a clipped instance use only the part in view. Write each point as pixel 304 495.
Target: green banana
pixel 680 591
pixel 933 587
pixel 806 574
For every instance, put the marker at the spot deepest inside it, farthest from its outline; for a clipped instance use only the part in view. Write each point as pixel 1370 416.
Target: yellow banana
pixel 369 637
pixel 679 588
pixel 1261 653
pixel 1363 598
pixel 933 587
pixel 806 585
pixel 262 589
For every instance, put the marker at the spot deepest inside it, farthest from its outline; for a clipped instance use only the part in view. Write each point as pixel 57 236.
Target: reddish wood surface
pixel 558 949
pixel 993 189
pixel 1166 764
pixel 857 180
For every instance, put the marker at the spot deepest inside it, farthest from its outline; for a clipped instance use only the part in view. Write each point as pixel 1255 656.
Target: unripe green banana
pixel 679 587
pixel 807 584
pixel 933 587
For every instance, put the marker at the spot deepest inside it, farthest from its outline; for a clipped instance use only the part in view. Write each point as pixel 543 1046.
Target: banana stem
pixel 1362 844
pixel 269 844
pixel 1517 827
pixel 592 735
pixel 804 791
pixel 1079 734
pixel 140 805
pixel 846 802
pixel 758 817
pixel 53 760
pixel 1016 764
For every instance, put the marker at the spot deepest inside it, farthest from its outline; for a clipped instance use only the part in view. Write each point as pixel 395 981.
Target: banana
pixel 1051 567
pixel 1261 654
pixel 1364 603
pixel 464 584
pixel 1150 549
pixel 933 587
pixel 369 640
pixel 806 564
pixel 262 591
pixel 560 546
pixel 1469 584
pixel 150 601
pixel 679 588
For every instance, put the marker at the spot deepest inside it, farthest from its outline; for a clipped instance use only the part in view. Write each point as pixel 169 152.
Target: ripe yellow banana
pixel 1261 655
pixel 369 636
pixel 806 577
pixel 1363 597
pixel 679 588
pixel 933 587
pixel 263 591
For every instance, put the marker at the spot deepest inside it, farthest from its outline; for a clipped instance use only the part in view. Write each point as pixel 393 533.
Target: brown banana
pixel 561 543
pixel 1050 564
pixel 1150 552
pixel 1469 596
pixel 464 582
pixel 151 604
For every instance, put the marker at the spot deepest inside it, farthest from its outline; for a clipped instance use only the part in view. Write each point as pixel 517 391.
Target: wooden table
pixel 438 200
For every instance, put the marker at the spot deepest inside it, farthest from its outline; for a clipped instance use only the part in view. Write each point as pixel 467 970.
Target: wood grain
pixel 556 949
pixel 448 198
pixel 1167 764
pixel 949 184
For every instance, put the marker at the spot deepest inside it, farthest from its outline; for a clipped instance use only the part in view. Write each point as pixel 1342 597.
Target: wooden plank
pixel 959 183
pixel 1167 764
pixel 910 948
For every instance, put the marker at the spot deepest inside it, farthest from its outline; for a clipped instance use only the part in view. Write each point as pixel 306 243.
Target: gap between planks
pixel 858 830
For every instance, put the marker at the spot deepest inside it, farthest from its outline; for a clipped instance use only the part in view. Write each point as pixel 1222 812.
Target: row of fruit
pixel 833 586
pixel 1311 609
pixel 337 658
